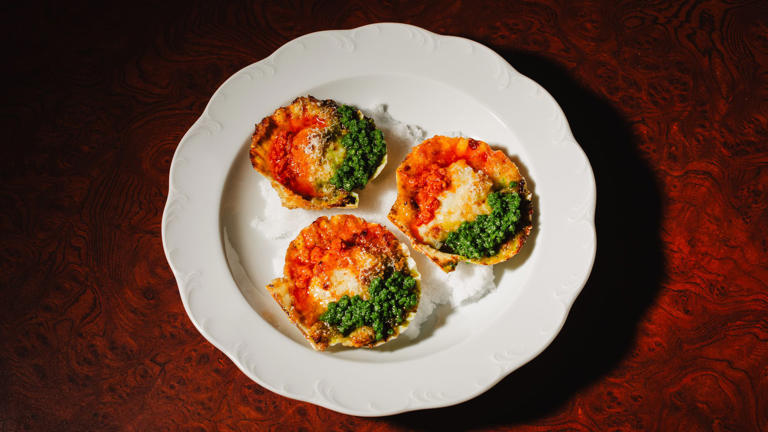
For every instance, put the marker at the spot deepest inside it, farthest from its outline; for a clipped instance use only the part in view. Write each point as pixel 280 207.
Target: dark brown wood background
pixel 668 99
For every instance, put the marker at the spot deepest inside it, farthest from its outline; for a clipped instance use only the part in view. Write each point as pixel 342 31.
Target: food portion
pixel 347 281
pixel 317 153
pixel 459 200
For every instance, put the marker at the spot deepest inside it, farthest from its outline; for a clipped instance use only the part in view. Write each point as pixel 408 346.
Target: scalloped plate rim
pixel 412 404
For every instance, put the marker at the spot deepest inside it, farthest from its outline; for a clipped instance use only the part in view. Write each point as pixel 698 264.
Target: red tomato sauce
pixel 426 175
pixel 329 244
pixel 288 160
pixel 428 184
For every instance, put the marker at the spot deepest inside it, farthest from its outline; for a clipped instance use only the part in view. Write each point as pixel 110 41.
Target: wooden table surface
pixel 668 99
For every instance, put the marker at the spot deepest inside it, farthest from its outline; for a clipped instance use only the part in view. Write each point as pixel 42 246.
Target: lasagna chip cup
pixel 459 200
pixel 317 153
pixel 347 281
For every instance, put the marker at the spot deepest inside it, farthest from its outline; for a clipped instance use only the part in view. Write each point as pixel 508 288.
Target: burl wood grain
pixel 668 99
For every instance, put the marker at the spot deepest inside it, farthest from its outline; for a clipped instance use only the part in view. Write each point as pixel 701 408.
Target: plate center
pixel 254 260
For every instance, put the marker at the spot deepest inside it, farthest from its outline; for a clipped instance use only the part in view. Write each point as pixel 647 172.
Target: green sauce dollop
pixel 365 148
pixel 389 301
pixel 483 236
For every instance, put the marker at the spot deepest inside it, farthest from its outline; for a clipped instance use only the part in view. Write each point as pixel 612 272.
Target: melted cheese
pixel 312 147
pixel 322 158
pixel 464 200
pixel 345 281
pixel 333 156
pixel 349 278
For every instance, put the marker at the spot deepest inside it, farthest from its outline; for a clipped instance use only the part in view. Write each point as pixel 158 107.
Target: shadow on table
pixel 600 330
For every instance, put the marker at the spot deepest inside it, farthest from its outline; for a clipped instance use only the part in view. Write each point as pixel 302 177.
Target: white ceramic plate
pixel 442 84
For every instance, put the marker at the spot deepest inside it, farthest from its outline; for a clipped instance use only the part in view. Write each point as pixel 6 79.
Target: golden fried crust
pixel 494 163
pixel 357 235
pixel 318 334
pixel 263 139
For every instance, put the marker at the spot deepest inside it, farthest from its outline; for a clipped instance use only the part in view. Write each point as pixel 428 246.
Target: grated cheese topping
pixel 324 155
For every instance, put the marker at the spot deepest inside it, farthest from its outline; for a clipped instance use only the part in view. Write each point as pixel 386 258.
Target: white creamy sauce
pixel 341 281
pixel 345 279
pixel 320 170
pixel 325 156
pixel 464 200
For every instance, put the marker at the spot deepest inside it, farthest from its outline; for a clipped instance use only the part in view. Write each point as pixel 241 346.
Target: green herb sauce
pixel 483 236
pixel 365 148
pixel 390 299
